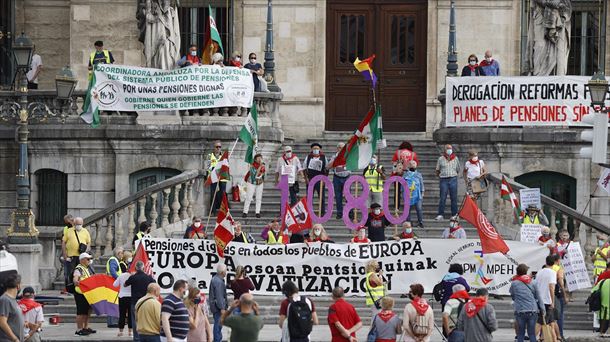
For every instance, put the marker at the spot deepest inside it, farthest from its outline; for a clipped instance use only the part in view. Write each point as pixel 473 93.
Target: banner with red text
pixel 517 101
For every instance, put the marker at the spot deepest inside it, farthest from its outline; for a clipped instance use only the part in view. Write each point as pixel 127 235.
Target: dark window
pixel 52 197
pixel 193 16
pixel 402 45
pixel 145 178
pixel 351 42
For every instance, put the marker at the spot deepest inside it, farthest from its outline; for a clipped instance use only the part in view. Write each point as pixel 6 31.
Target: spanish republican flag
pixel 101 294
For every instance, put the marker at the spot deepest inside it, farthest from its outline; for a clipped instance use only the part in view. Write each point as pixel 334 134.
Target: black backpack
pixel 595 299
pixel 300 322
pixel 438 292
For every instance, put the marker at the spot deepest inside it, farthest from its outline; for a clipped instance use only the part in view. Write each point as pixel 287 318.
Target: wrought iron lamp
pixel 598 88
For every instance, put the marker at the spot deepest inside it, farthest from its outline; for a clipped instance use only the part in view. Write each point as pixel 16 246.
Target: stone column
pixel 28 258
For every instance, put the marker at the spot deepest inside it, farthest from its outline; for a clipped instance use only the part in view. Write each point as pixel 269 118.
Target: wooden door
pixel 396 32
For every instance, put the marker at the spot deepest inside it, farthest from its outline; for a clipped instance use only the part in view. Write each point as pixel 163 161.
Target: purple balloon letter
pixel 405 197
pixel 329 201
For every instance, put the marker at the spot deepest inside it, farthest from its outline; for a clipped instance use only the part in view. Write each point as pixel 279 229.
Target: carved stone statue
pixel 548 37
pixel 159 32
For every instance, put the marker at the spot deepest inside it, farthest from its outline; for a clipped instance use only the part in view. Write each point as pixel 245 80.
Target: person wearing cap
pixel 361 236
pixel 210 163
pixel 455 230
pixel 340 176
pixel 290 165
pixel 375 176
pixel 82 271
pixel 196 230
pixel 376 223
pixel 255 179
pixel 75 241
pixel 315 165
pixel 534 215
pixel 547 241
pixel 447 169
pixel 32 314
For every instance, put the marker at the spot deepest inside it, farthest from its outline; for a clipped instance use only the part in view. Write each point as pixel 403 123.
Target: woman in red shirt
pixel 404 154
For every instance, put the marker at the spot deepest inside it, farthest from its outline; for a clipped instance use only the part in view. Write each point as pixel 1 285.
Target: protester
pixel 474 171
pixel 360 236
pixel 318 234
pixel 218 59
pixel 453 277
pixel 218 189
pixel 124 302
pixel 218 299
pixel 404 154
pixel 143 231
pixel 386 322
pixel 256 69
pixel 148 313
pixel 455 230
pixel 340 176
pixel 490 66
pixel 415 183
pixel 196 230
pixel 139 282
pixel 274 235
pixel 199 325
pixel 375 176
pixel 296 329
pixel 546 240
pixel 75 241
pixel 255 182
pixel 35 69
pixel 191 58
pixel 376 223
pixel 473 68
pixel 418 318
pixel 100 55
pixel 113 266
pixel 246 325
pixel 240 235
pixel 564 242
pixel 315 165
pixel 600 256
pixel 69 221
pixel 533 215
pixel 447 169
pixel 526 302
pixel 290 165
pixel 452 311
pixel 11 317
pixel 407 232
pixel 374 285
pixel 235 60
pixel 478 318
pixel 604 312
pixel 241 284
pixel 32 314
pixel 81 272
pixel 175 320
pixel 562 296
pixel 343 319
pixel 126 261
pixel 546 280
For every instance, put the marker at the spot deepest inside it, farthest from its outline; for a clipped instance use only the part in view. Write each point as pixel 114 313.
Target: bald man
pixel 245 325
pixel 490 65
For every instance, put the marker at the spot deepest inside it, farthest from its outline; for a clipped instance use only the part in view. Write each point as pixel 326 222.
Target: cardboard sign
pixel 530 196
pixel 530 233
pixel 575 269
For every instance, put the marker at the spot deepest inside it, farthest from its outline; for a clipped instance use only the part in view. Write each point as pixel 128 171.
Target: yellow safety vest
pixel 213 162
pixel 245 238
pixel 374 179
pixel 139 235
pixel 527 220
pixel 599 263
pixel 118 272
pixel 271 240
pixel 556 268
pixel 374 292
pixel 84 274
pixel 106 55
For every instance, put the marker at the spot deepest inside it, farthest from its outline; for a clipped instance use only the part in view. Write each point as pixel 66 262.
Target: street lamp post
pixel 452 66
pixel 269 56
pixel 23 229
pixel 598 136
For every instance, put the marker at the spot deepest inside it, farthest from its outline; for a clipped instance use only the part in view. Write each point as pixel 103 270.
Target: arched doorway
pixel 142 179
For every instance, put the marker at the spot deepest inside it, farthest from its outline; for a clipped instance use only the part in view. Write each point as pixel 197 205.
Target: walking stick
pixel 321 194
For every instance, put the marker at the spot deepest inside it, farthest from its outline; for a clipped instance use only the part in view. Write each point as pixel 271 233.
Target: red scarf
pixel 472 67
pixel 404 235
pixel 235 63
pixel 194 60
pixel 287 160
pixel 454 229
pixel 377 217
pixel 420 305
pixel 523 278
pixel 358 240
pixel 195 230
pixel 460 295
pixel 543 239
pixel 475 305
pixel 27 304
pixel 485 63
pixel 256 166
pixel 473 162
pixel 386 315
pixel 451 157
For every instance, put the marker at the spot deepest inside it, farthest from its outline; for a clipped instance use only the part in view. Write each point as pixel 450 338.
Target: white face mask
pixel 288 154
pixel 453 224
pixel 186 294
pixel 316 152
pixel 129 259
pixel 193 53
pixel 317 231
pixel 475 158
pixel 377 211
pixel 197 224
pixel 373 161
pixel 408 230
pixel 78 227
pixel 473 63
pixel 449 152
pixel 237 59
pixel 253 60
pixel 362 233
pixel 488 59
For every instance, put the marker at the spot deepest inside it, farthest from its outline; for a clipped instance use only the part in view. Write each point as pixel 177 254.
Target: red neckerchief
pixel 420 305
pixel 485 63
pixel 405 235
pixel 235 63
pixel 287 160
pixel 523 278
pixel 454 229
pixel 472 67
pixel 386 315
pixel 358 240
pixel 460 295
pixel 473 162
pixel 543 239
pixel 27 304
pixel 451 157
pixel 193 59
pixel 475 305
pixel 315 239
pixel 195 230
pixel 377 217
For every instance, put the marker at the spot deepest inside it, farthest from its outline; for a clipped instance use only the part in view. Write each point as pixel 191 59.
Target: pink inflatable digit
pixel 406 198
pixel 328 186
pixel 285 194
pixel 355 202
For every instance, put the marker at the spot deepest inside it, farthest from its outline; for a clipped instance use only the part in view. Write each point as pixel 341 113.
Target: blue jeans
pixel 419 210
pixel 456 336
pixel 526 321
pixel 136 337
pixel 560 304
pixel 150 338
pixel 217 327
pixel 338 184
pixel 448 185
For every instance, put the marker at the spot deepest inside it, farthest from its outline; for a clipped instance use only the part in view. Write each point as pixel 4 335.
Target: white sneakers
pixel 439 218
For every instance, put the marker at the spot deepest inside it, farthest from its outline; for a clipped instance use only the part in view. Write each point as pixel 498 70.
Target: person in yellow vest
pixel 275 236
pixel 241 236
pixel 534 215
pixel 100 55
pixel 143 231
pixel 375 286
pixel 600 256
pixel 210 163
pixel 113 265
pixel 374 176
pixel 82 271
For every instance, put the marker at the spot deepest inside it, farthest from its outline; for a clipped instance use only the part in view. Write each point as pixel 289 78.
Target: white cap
pixel 287 148
pixel 85 256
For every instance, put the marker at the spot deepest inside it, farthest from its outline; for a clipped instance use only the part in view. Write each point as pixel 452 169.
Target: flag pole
pixel 211 207
pixel 321 194
pixel 355 209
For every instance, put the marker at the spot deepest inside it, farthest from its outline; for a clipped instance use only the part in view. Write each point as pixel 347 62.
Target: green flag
pixel 214 34
pixel 91 114
pixel 249 134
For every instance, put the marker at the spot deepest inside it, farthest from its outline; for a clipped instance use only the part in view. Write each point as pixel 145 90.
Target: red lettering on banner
pixel 580 111
pixel 498 113
pixel 538 113
pixel 470 114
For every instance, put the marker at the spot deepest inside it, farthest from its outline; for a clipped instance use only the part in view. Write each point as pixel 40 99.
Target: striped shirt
pixel 179 319
pixel 448 168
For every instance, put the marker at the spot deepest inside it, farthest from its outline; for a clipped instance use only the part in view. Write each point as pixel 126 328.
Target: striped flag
pixel 249 134
pixel 221 170
pixel 101 294
pixel 508 195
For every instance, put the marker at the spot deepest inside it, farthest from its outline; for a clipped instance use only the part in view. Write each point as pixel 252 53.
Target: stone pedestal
pixel 28 259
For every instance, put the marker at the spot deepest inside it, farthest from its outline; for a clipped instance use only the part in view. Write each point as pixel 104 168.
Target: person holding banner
pixel 191 58
pixel 547 241
pixel 196 230
pixel 473 68
pixel 407 232
pixel 255 179
pixel 564 242
pixel 374 285
pixel 318 234
pixel 455 230
pixel 361 236
pixel 240 235
pixel 274 235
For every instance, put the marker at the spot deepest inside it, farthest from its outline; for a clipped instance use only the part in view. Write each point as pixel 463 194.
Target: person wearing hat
pixel 290 165
pixel 533 215
pixel 255 179
pixel 547 241
pixel 360 236
pixel 455 231
pixel 32 314
pixel 376 223
pixel 315 165
pixel 82 271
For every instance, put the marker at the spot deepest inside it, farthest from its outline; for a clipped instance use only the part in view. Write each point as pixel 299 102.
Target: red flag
pixel 491 241
pixel 220 171
pixel 297 218
pixel 223 233
pixel 142 256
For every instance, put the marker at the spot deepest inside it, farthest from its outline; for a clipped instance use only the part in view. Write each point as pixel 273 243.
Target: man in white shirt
pixel 290 165
pixel 35 69
pixel 546 280
pixel 32 314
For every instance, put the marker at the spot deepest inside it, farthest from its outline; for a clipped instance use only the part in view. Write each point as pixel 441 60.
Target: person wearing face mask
pixel 490 66
pixel 195 230
pixel 455 231
pixel 200 329
pixel 407 232
pixel 564 242
pixel 81 272
pixel 235 60
pixel 547 241
pixel 241 236
pixel 600 256
pixel 289 164
pixel 255 179
pixel 175 321
pixel 448 169
pixel 69 223
pixel 318 233
pixel 256 69
pixel 375 176
pixel 361 236
pixel 124 297
pixel 315 165
pixel 191 58
pixel 473 68
pixel 415 183
pixel 376 223
pixel 218 299
pixel 535 216
pixel 76 241
pixel 218 59
pixel 474 171
pixel 274 235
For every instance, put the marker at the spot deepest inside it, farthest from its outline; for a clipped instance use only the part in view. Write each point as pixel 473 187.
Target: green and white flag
pixel 91 114
pixel 214 34
pixel 249 134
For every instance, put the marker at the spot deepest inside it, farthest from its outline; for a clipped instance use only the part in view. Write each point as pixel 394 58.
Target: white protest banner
pixel 530 196
pixel 319 267
pixel 517 101
pixel 575 269
pixel 604 180
pixel 530 233
pixel 129 88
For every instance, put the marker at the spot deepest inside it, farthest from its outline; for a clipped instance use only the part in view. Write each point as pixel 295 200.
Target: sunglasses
pixel 217 146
